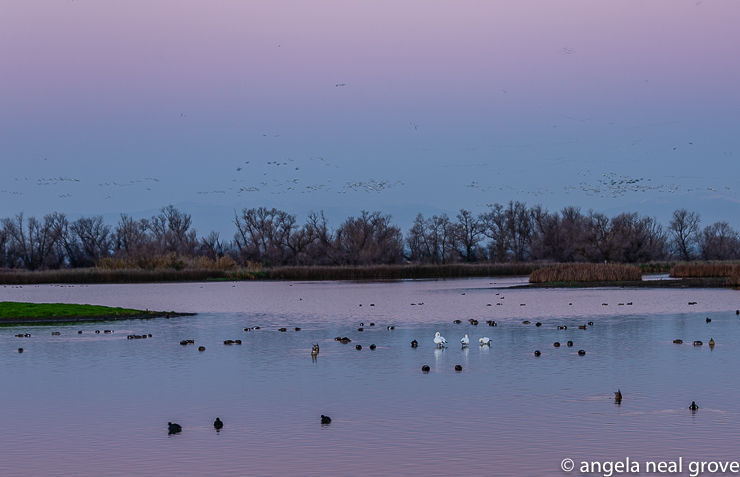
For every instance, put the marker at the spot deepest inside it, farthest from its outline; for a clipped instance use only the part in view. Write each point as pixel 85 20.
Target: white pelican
pixel 465 340
pixel 439 340
pixel 485 341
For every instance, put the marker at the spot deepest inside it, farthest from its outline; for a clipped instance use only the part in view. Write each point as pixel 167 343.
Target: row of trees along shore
pixel 272 238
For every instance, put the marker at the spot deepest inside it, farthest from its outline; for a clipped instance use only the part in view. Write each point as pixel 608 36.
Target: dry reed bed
pixel 399 272
pixel 734 278
pixel 98 275
pixel 253 271
pixel 704 270
pixel 586 272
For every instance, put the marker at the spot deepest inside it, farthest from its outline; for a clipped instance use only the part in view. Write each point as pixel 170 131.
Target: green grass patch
pixel 10 311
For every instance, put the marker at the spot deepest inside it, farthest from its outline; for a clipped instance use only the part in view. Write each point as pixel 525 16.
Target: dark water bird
pixel 97 332
pixel 526 322
pixel 629 303
pixel 55 333
pixel 581 352
pixel 414 344
pixel 238 342
pixel 372 346
pixel 391 327
pixel 315 350
pixel 570 343
pixel 173 428
pixel 458 367
pixel 297 329
pixel 360 329
pixel 537 352
pixel 358 347
pixel 283 329
pixel 581 327
pixel 425 368
pixel 590 323
pixel 556 344
pixel 229 342
pixel 538 324
pixel 693 406
pixel 457 322
pixel 618 395
pixel 20 350
pixel 372 324
pixel 678 341
pixel 698 343
pixel 562 327
pixel 345 340
pixel 201 348
pixel 218 424
pixel 737 312
pixel 79 332
pixel 325 419
pixel 711 342
pixel 709 320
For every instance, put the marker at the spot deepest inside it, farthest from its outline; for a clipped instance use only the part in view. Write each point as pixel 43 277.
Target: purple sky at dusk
pixel 404 107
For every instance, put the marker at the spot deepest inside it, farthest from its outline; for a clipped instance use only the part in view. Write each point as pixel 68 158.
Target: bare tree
pixel 31 242
pixel 172 232
pixel 719 241
pixel 468 230
pixel 86 241
pixel 684 227
pixel 369 239
pixel 494 226
pixel 130 236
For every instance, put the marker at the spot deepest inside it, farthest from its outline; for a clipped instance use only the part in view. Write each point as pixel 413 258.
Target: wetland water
pixel 98 404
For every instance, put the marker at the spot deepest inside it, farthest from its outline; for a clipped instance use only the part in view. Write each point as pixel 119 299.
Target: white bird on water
pixel 485 341
pixel 465 341
pixel 439 340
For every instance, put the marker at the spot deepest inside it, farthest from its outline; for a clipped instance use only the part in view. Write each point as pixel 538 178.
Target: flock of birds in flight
pixel 291 176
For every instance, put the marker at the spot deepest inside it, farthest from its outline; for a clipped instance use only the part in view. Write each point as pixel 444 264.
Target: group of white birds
pixel 440 341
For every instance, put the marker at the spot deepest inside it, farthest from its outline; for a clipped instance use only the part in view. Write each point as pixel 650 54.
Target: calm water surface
pixel 98 404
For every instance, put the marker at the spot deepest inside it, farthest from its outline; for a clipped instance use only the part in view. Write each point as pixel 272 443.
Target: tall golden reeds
pixel 734 278
pixel 586 272
pixel 703 270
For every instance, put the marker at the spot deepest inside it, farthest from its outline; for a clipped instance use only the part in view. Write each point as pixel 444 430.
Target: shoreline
pixel 77 319
pixel 707 282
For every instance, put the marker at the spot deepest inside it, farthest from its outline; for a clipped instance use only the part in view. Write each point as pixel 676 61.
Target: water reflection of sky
pixel 98 404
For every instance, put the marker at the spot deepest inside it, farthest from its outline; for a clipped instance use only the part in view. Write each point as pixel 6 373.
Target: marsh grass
pixel 734 278
pixel 704 270
pixel 252 271
pixel 11 310
pixel 400 272
pixel 586 272
pixel 656 267
pixel 98 275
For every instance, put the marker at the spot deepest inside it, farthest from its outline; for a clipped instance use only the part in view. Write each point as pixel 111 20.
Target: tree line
pixel 271 237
